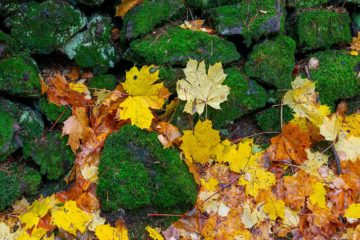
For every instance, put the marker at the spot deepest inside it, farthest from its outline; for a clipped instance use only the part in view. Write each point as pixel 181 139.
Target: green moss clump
pixel 105 81
pixel 29 122
pixel 322 29
pixel 7 132
pixel 52 111
pixel 143 18
pixel 177 45
pixel 336 77
pixel 269 119
pixel 247 19
pixel 8 45
pixel 16 180
pixel 305 3
pixel 52 154
pixel 93 48
pixel 245 96
pixel 20 76
pixel 44 27
pixel 135 171
pixel 91 2
pixel 204 4
pixel 272 62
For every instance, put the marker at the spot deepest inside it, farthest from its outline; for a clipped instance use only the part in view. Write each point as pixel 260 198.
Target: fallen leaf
pixel 353 211
pixel 318 195
pixel 168 134
pixel 351 125
pixel 154 234
pixel 125 6
pixel 200 89
pixel 5 232
pixel 348 147
pixel 274 208
pixel 106 232
pixel 330 127
pixel 256 179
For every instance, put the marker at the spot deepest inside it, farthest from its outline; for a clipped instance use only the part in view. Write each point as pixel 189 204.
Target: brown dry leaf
pixel 77 127
pixel 289 145
pixel 125 6
pixel 168 134
pixel 355 45
pixel 196 25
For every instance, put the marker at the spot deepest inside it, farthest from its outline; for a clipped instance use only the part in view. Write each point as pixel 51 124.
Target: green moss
pixel 52 111
pixel 143 18
pixel 177 45
pixel 269 119
pixel 245 96
pixel 44 27
pixel 7 132
pixel 135 171
pixel 272 62
pixel 16 180
pixel 336 77
pixel 322 29
pixel 181 119
pixel 305 3
pixel 19 76
pixel 29 122
pixel 209 3
pixel 93 48
pixel 52 154
pixel 91 2
pixel 169 76
pixel 8 45
pixel 105 81
pixel 249 20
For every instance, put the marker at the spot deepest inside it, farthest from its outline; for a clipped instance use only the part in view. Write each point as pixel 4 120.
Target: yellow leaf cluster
pixel 106 232
pixel 353 211
pixel 274 208
pixel 200 89
pixel 144 95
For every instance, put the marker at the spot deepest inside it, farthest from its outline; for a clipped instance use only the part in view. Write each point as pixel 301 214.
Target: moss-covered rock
pixel 305 3
pixel 52 154
pixel 16 180
pixel 135 171
pixel 8 45
pixel 53 112
pixel 91 2
pixel 336 77
pixel 143 18
pixel 93 48
pixel 272 62
pixel 177 45
pixel 245 96
pixel 203 4
pixel 105 81
pixel 29 124
pixel 270 119
pixel 322 28
pixel 19 76
pixel 44 27
pixel 249 20
pixel 7 134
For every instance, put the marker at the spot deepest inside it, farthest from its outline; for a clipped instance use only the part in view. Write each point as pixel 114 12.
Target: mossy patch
pixel 53 112
pixel 204 4
pixel 8 45
pixel 16 180
pixel 104 81
pixel 177 45
pixel 251 19
pixel 52 154
pixel 305 3
pixel 93 48
pixel 270 119
pixel 19 76
pixel 272 62
pixel 135 171
pixel 44 27
pixel 245 96
pixel 143 18
pixel 7 133
pixel 322 28
pixel 336 77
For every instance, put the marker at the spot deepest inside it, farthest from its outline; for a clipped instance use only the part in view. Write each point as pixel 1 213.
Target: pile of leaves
pixel 295 188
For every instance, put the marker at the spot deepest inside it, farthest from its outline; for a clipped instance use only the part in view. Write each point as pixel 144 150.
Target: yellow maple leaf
pixel 348 147
pixel 315 161
pixel 251 217
pixel 37 210
pixel 90 172
pixel 5 232
pixel 330 127
pixel 210 185
pixel 201 88
pixel 201 143
pixel 144 94
pixel 303 100
pixel 353 211
pixel 318 195
pixel 106 232
pixel 255 179
pixel 70 218
pixel 351 125
pixel 36 234
pixel 274 208
pixel 154 234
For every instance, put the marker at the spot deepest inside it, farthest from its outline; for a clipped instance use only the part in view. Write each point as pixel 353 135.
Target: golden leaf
pixel 318 195
pixel 154 234
pixel 255 179
pixel 106 232
pixel 274 208
pixel 125 6
pixel 353 211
